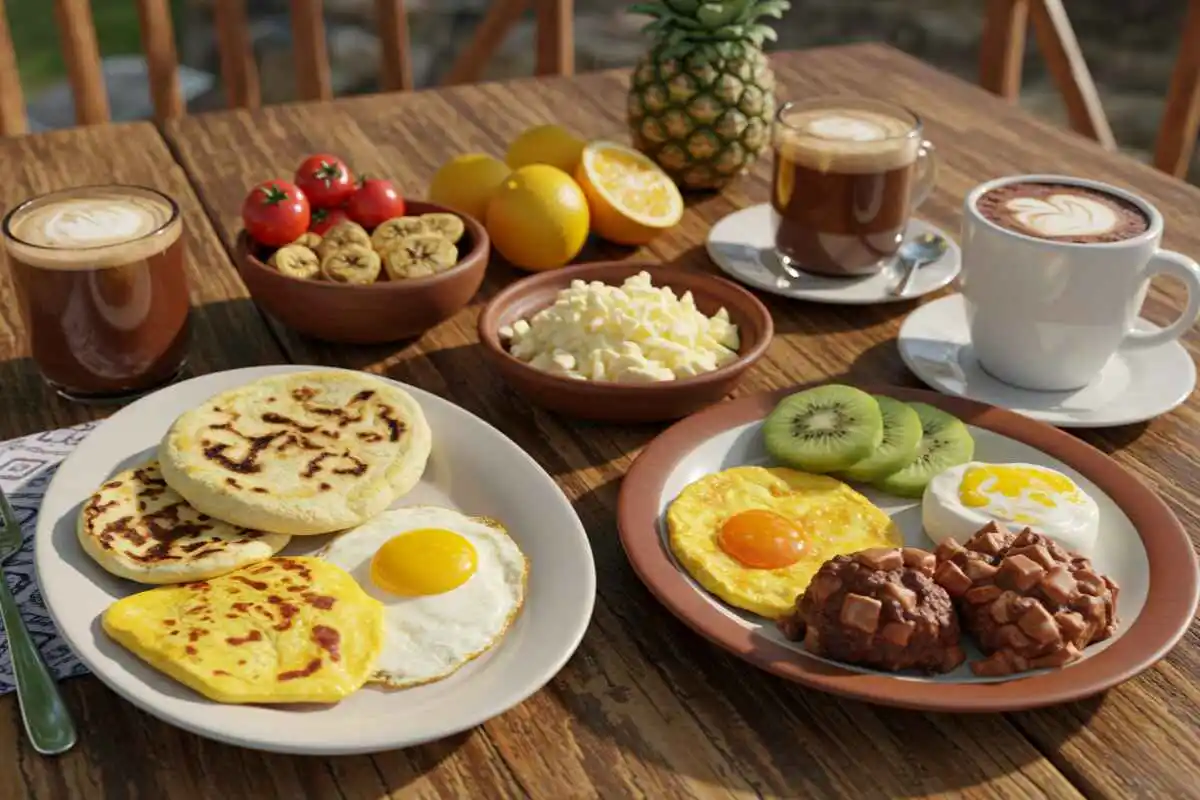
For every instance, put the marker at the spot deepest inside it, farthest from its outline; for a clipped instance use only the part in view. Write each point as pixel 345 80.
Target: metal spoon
pixel 916 252
pixel 47 720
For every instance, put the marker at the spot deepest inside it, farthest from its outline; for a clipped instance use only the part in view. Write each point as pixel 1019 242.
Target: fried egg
pixel 450 586
pixel 961 500
pixel 755 536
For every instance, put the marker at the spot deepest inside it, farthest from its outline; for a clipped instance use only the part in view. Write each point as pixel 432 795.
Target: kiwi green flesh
pixel 824 429
pixel 902 433
pixel 945 443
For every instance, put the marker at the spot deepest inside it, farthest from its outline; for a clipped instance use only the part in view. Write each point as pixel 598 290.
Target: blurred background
pixel 1130 47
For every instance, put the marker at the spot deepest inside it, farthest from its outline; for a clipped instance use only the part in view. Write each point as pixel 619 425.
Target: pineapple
pixel 702 101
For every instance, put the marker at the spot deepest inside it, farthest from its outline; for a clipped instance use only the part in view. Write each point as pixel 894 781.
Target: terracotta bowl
pixel 607 401
pixel 379 312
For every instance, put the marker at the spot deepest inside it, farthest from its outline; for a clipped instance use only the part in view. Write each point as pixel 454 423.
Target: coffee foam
pixel 1059 215
pixel 851 140
pixel 92 228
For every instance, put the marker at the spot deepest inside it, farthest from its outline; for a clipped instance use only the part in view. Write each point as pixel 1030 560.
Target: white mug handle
pixel 1177 265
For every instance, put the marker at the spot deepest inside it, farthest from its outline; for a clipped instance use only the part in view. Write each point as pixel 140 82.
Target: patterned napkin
pixel 26 467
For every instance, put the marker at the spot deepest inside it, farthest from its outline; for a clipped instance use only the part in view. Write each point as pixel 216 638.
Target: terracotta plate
pixel 1141 545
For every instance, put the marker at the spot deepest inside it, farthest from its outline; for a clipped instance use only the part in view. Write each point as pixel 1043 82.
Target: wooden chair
pixel 555 53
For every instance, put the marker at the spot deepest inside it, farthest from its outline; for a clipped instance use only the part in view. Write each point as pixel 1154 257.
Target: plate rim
pixel 43 548
pixel 1171 600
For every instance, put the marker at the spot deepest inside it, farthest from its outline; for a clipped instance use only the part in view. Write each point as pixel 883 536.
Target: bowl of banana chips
pixel 369 286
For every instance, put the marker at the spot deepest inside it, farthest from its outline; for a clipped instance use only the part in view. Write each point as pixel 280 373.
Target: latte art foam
pixel 1063 215
pixel 850 140
pixel 89 223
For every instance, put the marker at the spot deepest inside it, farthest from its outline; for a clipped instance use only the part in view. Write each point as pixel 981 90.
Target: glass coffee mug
pixel 848 174
pixel 101 283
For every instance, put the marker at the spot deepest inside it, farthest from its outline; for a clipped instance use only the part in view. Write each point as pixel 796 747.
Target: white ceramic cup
pixel 1049 315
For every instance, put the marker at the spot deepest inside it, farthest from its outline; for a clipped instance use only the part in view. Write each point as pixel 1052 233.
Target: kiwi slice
pixel 945 443
pixel 901 438
pixel 825 429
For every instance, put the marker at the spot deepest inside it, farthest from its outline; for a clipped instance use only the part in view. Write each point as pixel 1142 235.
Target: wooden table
pixel 646 707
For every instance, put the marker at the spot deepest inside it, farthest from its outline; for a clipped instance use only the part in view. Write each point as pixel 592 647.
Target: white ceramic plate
pixel 473 468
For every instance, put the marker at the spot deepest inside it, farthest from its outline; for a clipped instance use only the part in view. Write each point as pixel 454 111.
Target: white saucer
pixel 743 246
pixel 1134 386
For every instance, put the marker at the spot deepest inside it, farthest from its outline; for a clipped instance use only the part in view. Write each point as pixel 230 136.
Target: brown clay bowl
pixel 607 401
pixel 385 311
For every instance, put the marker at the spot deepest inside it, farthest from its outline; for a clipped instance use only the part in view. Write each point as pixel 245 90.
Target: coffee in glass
pixel 848 173
pixel 100 280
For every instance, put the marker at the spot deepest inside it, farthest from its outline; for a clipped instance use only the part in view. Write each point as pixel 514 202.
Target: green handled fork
pixel 47 721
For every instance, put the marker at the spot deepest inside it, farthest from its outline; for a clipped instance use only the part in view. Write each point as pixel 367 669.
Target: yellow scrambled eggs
pixel 755 536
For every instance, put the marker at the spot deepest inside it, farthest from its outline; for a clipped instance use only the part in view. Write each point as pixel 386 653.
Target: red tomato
pixel 325 218
pixel 325 180
pixel 375 202
pixel 276 213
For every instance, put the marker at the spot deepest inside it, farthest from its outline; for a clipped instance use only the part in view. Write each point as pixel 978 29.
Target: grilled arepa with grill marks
pixel 299 453
pixel 138 528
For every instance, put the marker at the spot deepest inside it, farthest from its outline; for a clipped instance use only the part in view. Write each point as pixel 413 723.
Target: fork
pixel 47 721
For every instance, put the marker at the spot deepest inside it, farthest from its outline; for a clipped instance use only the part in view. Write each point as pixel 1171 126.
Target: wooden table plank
pixel 645 707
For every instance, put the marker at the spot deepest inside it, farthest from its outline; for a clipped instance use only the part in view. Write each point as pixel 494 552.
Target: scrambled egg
pixel 631 333
pixel 285 630
pixel 755 536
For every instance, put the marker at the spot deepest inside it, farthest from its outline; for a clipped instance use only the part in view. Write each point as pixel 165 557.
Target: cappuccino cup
pixel 1055 270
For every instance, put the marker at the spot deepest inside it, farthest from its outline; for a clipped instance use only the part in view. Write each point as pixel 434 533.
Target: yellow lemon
pixel 630 197
pixel 466 183
pixel 538 218
pixel 546 144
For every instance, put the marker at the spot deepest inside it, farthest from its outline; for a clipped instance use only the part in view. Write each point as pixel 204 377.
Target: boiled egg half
pixel 961 500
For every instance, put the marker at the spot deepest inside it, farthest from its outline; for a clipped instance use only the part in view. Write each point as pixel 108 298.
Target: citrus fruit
pixel 546 144
pixel 466 183
pixel 630 197
pixel 538 218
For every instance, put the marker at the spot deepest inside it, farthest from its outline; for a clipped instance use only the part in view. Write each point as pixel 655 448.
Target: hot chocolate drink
pixel 1063 213
pixel 844 184
pixel 100 277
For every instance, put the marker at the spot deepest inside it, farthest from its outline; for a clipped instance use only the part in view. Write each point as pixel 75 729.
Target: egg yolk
pixel 761 539
pixel 981 484
pixel 424 561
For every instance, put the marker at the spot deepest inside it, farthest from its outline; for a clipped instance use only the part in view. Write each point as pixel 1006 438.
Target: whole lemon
pixel 538 218
pixel 466 183
pixel 546 144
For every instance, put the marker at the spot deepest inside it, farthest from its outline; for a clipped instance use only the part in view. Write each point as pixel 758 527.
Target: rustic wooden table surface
pixel 646 707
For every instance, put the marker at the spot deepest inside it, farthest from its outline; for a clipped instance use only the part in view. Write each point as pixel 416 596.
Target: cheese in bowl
pixel 632 333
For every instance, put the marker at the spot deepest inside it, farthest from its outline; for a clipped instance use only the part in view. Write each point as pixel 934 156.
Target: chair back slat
pixel 12 101
pixel 162 63
pixel 555 37
pixel 1181 115
pixel 396 72
pixel 1064 61
pixel 309 51
pixel 1002 46
pixel 500 17
pixel 239 73
pixel 82 57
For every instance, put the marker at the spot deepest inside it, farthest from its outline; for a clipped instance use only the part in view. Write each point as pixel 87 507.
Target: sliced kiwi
pixel 945 443
pixel 901 438
pixel 824 429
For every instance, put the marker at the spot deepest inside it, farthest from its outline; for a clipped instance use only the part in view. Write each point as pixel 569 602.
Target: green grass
pixel 35 36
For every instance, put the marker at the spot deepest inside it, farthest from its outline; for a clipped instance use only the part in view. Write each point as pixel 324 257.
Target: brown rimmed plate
pixel 1141 545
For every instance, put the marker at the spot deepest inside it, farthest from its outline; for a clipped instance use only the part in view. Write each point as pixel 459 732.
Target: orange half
pixel 631 199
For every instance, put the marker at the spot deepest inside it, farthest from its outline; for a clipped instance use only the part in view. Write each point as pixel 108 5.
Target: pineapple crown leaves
pixel 679 26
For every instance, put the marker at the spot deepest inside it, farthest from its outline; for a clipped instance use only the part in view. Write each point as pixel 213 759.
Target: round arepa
pixel 300 453
pixel 138 528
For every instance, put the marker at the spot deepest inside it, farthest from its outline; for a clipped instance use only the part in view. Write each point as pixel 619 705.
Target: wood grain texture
pixel 239 71
pixel 158 43
pixel 1181 115
pixel 13 121
pixel 1002 46
pixel 81 54
pixel 646 708
pixel 310 54
pixel 395 71
pixel 1065 62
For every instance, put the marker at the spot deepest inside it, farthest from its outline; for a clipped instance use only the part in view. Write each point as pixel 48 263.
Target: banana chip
pixel 449 226
pixel 353 263
pixel 341 235
pixel 310 240
pixel 296 261
pixel 419 256
pixel 394 229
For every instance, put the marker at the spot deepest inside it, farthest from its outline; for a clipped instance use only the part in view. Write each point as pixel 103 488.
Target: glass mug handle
pixel 926 172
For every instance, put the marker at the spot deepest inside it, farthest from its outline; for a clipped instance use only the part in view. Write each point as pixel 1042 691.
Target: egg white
pixel 429 637
pixel 1074 525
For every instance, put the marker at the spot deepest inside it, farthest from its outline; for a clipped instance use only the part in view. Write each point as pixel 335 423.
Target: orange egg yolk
pixel 424 561
pixel 761 539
